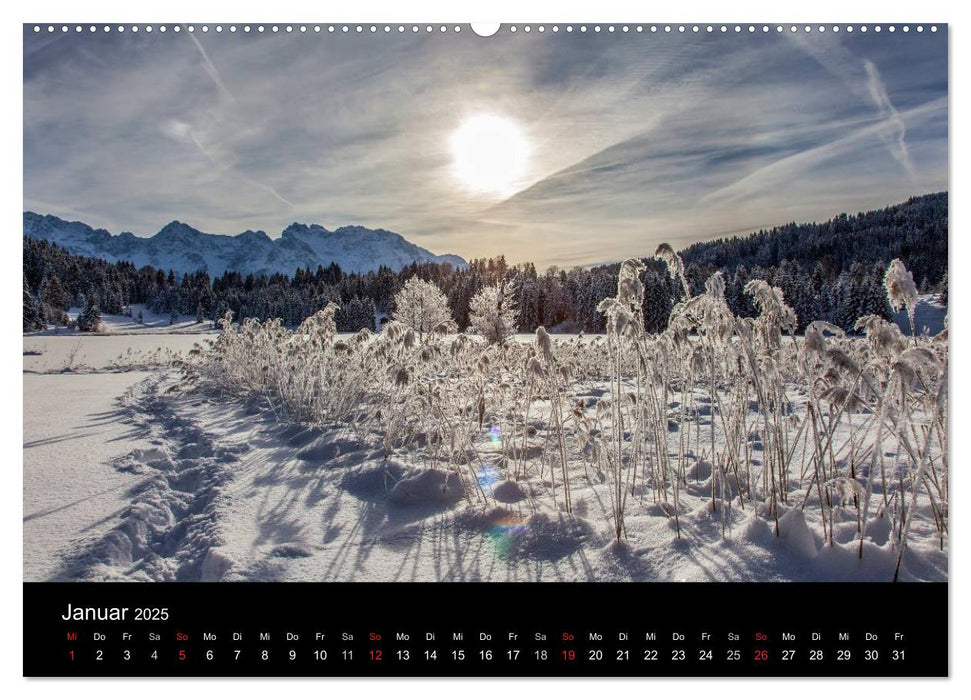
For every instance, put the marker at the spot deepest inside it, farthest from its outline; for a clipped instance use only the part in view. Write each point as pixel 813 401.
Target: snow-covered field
pixel 76 427
pixel 442 459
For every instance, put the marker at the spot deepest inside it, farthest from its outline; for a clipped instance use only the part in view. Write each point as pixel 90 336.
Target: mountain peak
pixel 177 229
pixel 180 247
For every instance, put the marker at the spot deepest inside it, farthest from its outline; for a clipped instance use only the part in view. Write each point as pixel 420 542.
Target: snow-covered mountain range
pixel 181 248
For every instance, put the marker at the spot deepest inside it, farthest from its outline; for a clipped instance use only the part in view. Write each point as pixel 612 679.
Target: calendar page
pixel 485 350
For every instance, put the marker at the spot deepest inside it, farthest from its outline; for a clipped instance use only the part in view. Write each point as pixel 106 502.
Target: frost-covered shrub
pixel 493 314
pixel 422 306
pixel 901 290
pixel 848 431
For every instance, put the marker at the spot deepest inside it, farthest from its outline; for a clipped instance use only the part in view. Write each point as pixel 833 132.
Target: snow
pixel 134 477
pixel 929 316
pixel 72 493
pixel 85 352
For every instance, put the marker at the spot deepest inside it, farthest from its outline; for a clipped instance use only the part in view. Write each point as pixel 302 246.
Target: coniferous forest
pixel 829 271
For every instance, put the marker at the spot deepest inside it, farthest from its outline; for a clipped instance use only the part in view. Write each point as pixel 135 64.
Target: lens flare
pixel 495 436
pixel 503 533
pixel 487 475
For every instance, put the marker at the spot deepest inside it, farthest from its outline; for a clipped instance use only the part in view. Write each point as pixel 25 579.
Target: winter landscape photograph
pixel 566 303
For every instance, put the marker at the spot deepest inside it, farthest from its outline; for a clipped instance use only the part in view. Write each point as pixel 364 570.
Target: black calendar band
pixel 485 629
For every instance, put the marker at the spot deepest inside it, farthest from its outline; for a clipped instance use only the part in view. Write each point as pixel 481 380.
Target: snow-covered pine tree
pixel 493 313
pixel 53 300
pixel 89 320
pixel 33 319
pixel 355 315
pixel 423 306
pixel 658 293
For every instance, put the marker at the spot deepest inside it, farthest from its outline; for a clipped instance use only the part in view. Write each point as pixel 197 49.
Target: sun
pixel 489 154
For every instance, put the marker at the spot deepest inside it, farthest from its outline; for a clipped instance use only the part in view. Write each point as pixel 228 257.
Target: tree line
pixel 831 271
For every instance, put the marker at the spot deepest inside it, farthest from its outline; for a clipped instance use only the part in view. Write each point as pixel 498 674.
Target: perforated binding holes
pixel 524 28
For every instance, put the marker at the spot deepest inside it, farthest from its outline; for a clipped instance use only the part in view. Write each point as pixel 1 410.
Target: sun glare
pixel 490 154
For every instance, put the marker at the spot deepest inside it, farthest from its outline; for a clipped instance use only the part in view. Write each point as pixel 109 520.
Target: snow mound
pixel 508 492
pixel 549 537
pixel 796 534
pixel 216 565
pixel 427 486
pixel 154 458
pixel 327 449
pixel 700 470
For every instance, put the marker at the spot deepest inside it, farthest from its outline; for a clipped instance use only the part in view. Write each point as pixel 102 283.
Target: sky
pixel 624 140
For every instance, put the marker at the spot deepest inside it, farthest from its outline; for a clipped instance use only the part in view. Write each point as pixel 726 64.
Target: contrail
pixel 844 64
pixel 211 68
pixel 213 73
pixel 878 91
pixel 232 171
